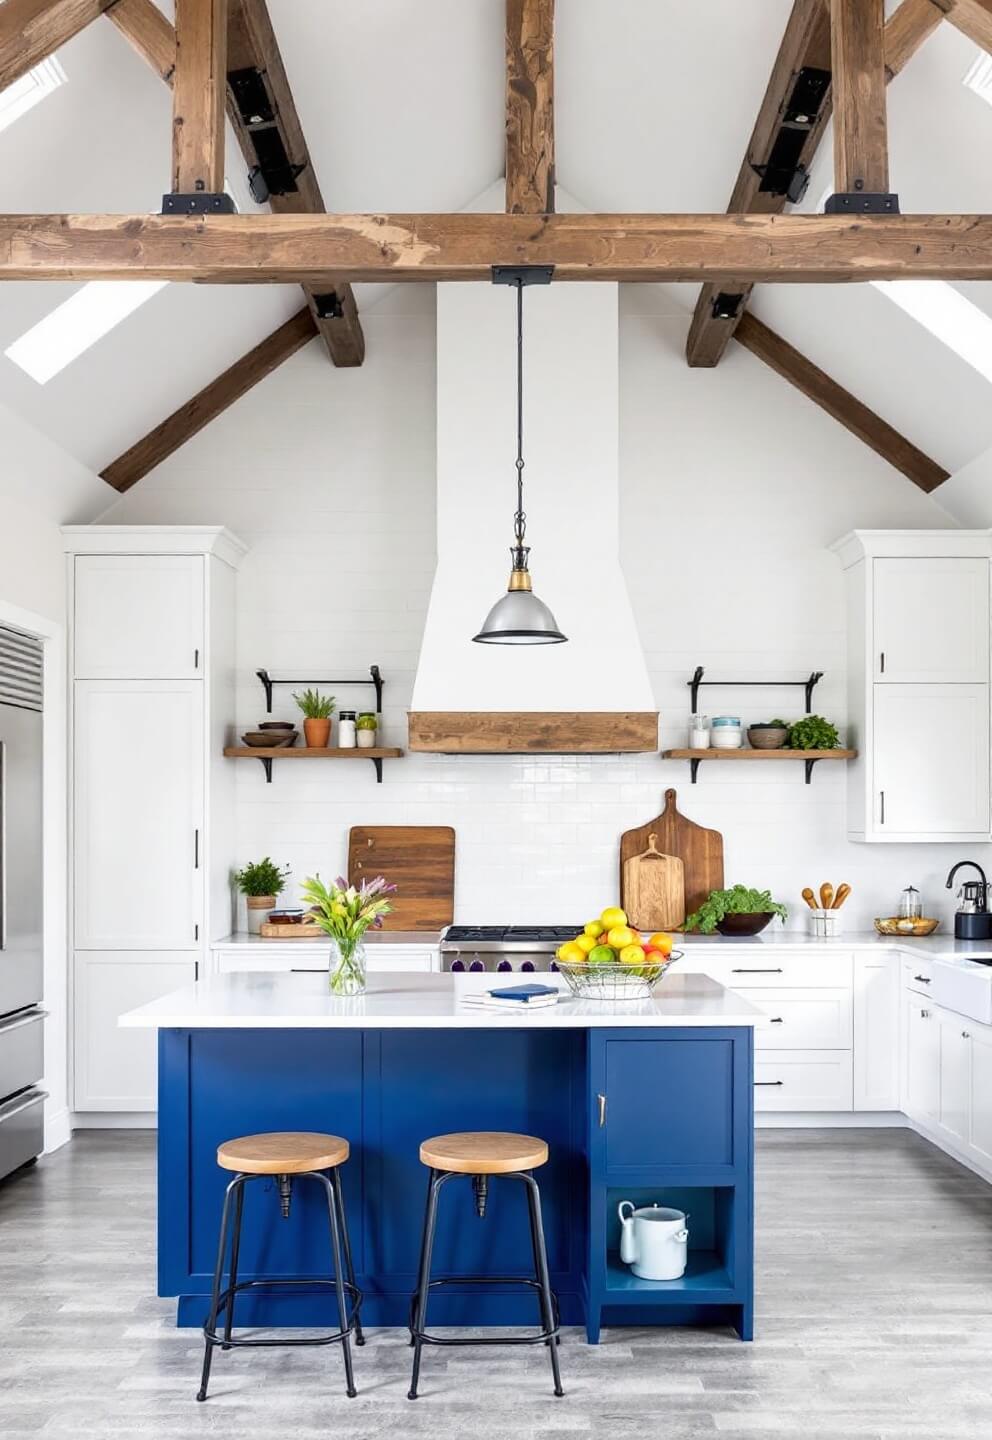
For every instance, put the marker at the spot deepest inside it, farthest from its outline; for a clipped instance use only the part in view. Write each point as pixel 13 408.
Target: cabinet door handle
pixel 776 1020
pixel 881 663
pixel 881 798
pixel 601 1107
pixel 768 1082
pixel 924 1014
pixel 750 970
pixel 196 659
pixel 965 1034
pixel 196 848
pixel 924 979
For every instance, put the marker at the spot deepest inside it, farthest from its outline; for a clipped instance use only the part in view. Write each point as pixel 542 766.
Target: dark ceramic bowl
pixel 276 725
pixel 744 924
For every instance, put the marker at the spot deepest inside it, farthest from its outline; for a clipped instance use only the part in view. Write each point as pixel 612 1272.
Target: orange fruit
pixel 661 941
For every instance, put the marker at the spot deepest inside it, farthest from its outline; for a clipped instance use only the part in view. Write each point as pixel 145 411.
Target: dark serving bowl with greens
pixel 737 911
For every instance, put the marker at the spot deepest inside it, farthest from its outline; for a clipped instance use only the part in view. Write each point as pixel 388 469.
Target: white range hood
pixel 549 698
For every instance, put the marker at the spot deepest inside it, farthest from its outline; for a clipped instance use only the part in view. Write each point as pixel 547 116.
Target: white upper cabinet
pixel 138 814
pixel 918 691
pixel 931 620
pixel 138 616
pixel 931 761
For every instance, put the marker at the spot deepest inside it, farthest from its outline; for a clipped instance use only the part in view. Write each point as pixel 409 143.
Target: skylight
pixel 78 323
pixel 25 93
pixel 948 315
pixel 979 78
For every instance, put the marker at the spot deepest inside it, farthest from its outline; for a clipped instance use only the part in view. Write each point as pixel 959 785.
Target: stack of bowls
pixel 278 734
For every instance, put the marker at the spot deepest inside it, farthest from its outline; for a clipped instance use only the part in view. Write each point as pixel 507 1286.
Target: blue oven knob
pixel 477 964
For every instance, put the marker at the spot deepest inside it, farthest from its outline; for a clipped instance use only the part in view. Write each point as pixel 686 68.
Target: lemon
pixel 620 936
pixel 572 953
pixel 593 928
pixel 612 917
pixel 632 955
pixel 585 943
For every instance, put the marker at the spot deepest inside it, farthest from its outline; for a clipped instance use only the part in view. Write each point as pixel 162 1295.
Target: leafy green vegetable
pixel 737 901
pixel 261 877
pixel 813 733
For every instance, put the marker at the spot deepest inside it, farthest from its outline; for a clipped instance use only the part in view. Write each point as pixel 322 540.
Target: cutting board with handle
pixel 699 849
pixel 654 889
pixel 419 860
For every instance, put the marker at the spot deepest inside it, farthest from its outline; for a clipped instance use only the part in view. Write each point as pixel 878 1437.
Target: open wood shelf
pixel 268 753
pixel 810 757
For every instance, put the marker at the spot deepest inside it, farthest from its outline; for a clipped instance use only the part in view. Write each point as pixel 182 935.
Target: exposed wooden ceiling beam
pixel 861 141
pixel 262 249
pixel 779 134
pixel 183 423
pixel 973 18
pixel 252 45
pixel 31 30
pixel 530 124
pixel 840 403
pixel 199 90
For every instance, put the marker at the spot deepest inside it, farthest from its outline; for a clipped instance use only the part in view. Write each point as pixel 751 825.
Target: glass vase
pixel 346 971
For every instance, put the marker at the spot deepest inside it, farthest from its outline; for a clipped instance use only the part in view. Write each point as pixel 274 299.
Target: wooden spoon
pixel 810 898
pixel 842 893
pixel 826 895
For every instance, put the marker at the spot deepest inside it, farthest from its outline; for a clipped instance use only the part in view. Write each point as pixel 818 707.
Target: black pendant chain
pixel 520 518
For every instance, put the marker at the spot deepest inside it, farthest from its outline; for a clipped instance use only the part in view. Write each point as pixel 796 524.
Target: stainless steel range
pixel 503 947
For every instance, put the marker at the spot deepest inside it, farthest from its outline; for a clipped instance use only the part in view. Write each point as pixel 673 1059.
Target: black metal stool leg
pixel 239 1206
pixel 346 1247
pixel 236 1184
pixel 423 1242
pixel 338 1285
pixel 541 1271
pixel 424 1278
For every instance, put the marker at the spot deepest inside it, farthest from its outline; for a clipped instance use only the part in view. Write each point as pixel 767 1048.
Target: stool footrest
pixel 312 1282
pixel 543 1337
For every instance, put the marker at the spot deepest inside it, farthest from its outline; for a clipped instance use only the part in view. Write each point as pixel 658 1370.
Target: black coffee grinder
pixel 972 920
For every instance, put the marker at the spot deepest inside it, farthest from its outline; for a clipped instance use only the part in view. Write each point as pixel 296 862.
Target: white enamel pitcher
pixel 653 1240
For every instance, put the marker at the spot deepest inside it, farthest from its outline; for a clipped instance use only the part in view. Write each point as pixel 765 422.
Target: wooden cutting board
pixel 279 930
pixel 654 889
pixel 700 850
pixel 419 859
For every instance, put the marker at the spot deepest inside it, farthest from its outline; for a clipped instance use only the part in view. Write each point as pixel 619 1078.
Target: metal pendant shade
pixel 519 617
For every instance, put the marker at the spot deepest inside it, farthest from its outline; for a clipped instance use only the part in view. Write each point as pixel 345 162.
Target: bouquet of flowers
pixel 344 912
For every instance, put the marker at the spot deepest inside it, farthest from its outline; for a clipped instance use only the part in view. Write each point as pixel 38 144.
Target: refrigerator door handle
pixel 15 1022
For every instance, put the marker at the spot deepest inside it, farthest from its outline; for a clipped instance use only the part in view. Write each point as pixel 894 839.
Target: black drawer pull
pixel 749 970
pixel 768 1082
pixel 776 1020
pixel 924 979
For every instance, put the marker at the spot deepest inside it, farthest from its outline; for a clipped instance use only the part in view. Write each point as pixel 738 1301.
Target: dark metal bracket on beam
pixel 727 305
pixel 201 202
pixel 783 173
pixel 523 274
pixel 328 306
pixel 861 202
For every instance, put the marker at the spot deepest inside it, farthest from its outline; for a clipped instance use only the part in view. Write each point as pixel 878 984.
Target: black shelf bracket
pixel 375 679
pixel 693 771
pixel 808 685
pixel 266 761
pixel 809 770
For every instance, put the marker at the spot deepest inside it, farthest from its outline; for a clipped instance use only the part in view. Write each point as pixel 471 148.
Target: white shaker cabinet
pixel 138 616
pixel 918 691
pixel 931 761
pixel 151 658
pixel 138 814
pixel 980 1117
pixel 955 1076
pixel 931 619
pixel 921 1061
pixel 876 1031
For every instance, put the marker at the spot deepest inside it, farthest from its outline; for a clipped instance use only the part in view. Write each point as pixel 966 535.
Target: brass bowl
pixel 897 925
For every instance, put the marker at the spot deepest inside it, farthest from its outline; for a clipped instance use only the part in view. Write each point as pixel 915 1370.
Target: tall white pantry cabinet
pixel 918 634
pixel 151 656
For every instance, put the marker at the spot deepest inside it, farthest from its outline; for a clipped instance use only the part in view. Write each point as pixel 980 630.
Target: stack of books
pixel 513 997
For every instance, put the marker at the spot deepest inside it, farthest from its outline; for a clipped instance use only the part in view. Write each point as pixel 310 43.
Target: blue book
pixel 523 994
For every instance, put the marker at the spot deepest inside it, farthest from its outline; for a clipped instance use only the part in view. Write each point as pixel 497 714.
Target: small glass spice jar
pixel 699 732
pixel 367 727
pixel 346 730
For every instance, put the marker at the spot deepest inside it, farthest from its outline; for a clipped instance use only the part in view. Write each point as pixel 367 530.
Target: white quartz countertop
pixel 431 1002
pixel 243 941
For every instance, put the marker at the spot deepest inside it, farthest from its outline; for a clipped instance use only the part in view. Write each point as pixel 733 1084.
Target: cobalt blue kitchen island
pixel 647 1100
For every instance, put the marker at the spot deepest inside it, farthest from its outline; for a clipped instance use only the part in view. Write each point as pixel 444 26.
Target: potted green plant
pixel 260 882
pixel 344 912
pixel 812 732
pixel 366 730
pixel 317 711
pixel 737 911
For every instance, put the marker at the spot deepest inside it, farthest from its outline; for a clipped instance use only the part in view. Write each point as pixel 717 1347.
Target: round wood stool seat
pixel 282 1152
pixel 483 1152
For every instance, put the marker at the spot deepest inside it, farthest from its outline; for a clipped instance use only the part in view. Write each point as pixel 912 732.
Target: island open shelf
pixel 808 757
pixel 268 753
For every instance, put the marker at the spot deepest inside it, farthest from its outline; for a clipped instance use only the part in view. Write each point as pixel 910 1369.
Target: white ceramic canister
pixel 654 1241
pixel 346 730
pixel 726 732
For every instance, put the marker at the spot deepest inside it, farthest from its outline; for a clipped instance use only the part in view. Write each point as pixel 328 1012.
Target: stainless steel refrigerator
pixel 21 899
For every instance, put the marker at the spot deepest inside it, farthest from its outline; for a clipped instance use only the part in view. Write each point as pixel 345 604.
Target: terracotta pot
pixel 317 733
pixel 259 908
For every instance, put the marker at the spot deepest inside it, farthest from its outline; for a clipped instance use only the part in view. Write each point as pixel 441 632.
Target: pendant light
pixel 519 617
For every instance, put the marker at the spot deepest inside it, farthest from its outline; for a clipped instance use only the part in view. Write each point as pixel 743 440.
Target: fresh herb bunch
pixel 737 901
pixel 812 732
pixel 261 877
pixel 314 705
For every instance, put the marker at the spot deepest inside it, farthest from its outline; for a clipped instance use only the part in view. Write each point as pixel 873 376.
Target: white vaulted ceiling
pixel 402 105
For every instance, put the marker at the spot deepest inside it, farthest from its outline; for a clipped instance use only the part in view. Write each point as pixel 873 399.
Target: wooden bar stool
pixel 288 1156
pixel 480 1154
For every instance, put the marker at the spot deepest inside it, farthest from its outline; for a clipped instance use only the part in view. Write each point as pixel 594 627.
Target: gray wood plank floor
pixel 874 1319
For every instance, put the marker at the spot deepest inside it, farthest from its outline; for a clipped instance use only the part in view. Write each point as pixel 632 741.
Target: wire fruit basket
pixel 614 982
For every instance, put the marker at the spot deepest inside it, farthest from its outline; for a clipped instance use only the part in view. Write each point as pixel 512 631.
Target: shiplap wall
pixel 732 485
